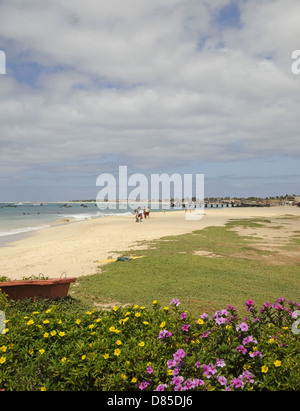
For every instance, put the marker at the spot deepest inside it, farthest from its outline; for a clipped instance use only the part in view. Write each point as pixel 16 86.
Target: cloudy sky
pixel 162 86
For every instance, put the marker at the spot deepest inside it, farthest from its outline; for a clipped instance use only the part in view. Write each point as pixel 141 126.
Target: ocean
pixel 19 219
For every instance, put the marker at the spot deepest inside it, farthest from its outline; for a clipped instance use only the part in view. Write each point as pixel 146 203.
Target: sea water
pixel 18 218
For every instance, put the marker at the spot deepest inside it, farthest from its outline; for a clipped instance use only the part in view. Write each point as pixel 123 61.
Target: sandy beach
pixel 75 248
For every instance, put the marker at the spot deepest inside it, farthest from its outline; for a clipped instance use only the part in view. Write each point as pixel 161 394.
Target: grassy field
pixel 207 270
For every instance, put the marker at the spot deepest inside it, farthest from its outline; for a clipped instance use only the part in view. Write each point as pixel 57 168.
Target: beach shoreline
pixel 75 248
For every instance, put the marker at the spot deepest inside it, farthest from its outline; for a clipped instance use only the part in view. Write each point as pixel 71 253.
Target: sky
pixel 160 86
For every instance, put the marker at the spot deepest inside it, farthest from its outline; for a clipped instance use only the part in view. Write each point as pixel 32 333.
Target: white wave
pixel 22 230
pixel 90 216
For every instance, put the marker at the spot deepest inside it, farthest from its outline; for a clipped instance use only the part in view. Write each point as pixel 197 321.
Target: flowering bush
pixel 159 348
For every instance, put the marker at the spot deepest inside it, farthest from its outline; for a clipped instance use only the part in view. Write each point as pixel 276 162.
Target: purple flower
pixel 208 370
pixel 237 383
pixel 241 349
pixel 185 327
pixel 222 380
pixel 248 376
pixel 249 305
pixel 175 301
pixel 220 363
pixel 220 320
pixel 177 380
pixel 171 363
pixel 206 334
pixel 248 339
pixel 164 333
pixel 204 316
pixel 255 353
pixel 242 326
pixel 183 316
pixel 161 387
pixel 197 364
pixel 149 369
pixel 179 354
pixel 143 385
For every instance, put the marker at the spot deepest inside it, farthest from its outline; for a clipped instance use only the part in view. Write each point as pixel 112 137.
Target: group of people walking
pixel 141 213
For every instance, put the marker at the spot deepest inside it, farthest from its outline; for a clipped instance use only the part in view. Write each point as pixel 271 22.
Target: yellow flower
pixel 271 340
pixel 112 329
pixel 264 369
pixel 98 320
pixel 46 322
pixel 123 376
pixel 61 334
pixel 59 322
pixel 2 360
pixel 117 352
pixel 128 313
pixel 142 308
pixel 200 321
pixel 3 348
pixel 53 332
pixel 115 308
pixel 162 324
pixel 91 326
pixel 89 313
pixel 43 389
pixel 35 312
pixel 83 357
pixel 46 335
pixel 141 344
pixel 170 372
pixel 134 380
pixel 118 342
pixel 63 359
pixel 48 311
pixel 154 302
pixel 138 314
pixel 277 363
pixel 30 322
pixel 78 321
pixel 41 351
pixel 135 307
pixel 31 351
pixel 105 356
pixel 145 322
pixel 166 308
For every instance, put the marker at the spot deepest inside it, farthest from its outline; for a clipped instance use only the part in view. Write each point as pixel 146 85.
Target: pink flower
pixel 248 339
pixel 236 382
pixel 249 305
pixel 255 353
pixel 185 327
pixel 171 363
pixel 241 349
pixel 179 354
pixel 222 380
pixel 242 326
pixel 142 385
pixel 175 301
pixel 149 369
pixel 220 363
pixel 183 316
pixel 206 334
pixel 161 387
pixel 164 333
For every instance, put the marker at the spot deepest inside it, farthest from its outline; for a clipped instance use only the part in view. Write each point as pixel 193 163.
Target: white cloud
pixel 128 79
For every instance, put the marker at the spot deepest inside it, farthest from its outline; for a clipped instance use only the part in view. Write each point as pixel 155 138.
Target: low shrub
pixel 155 348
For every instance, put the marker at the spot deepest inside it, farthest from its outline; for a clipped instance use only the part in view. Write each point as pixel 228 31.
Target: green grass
pixel 171 270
